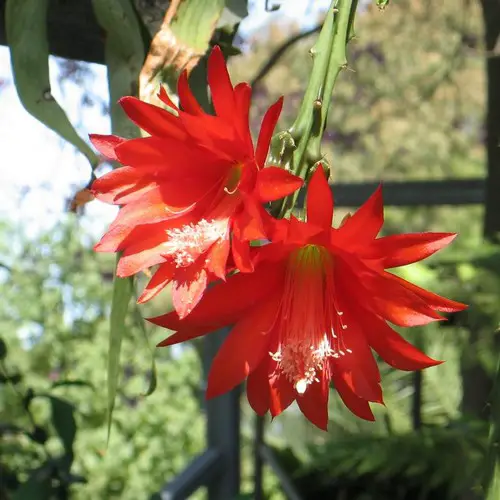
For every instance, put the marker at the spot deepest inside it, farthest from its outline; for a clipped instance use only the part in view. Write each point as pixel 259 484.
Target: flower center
pixel 311 326
pixel 187 243
pixel 233 178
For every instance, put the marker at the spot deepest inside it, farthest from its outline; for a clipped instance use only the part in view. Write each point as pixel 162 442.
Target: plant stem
pixel 329 58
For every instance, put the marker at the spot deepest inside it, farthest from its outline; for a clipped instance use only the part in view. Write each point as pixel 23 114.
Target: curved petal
pixel 241 255
pixel 248 222
pixel 161 278
pixel 433 300
pixel 153 119
pixel 266 132
pixel 355 362
pixel 188 287
pixel 133 261
pixel 186 98
pixel 184 335
pixel 274 183
pixel 243 348
pixel 402 249
pixel 360 407
pixel 106 144
pixel 282 395
pixel 365 223
pixel 319 200
pixel 220 85
pixel 382 296
pixel 314 403
pixel 165 99
pixel 242 97
pixel 115 182
pixel 152 207
pixel 393 349
pixel 224 303
pixel 216 257
pixel 258 387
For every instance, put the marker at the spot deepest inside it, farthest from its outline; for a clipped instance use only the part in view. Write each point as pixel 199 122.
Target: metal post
pixel 258 461
pixel 223 428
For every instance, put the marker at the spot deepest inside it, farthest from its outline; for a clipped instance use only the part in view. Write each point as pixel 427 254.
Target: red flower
pixel 189 185
pixel 316 304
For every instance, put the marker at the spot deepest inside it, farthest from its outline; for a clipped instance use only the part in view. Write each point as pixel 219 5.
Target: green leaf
pixel 153 382
pixel 26 31
pixel 122 292
pixel 124 55
pixel 63 418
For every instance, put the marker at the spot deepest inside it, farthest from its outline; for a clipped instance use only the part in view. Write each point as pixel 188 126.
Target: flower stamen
pixel 187 243
pixel 311 322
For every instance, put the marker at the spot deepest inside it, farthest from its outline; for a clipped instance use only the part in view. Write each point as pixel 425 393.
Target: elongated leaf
pixel 122 292
pixel 63 419
pixel 124 53
pixel 26 30
pixel 140 323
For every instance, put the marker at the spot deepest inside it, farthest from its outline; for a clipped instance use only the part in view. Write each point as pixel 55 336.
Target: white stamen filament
pixel 187 243
pixel 309 314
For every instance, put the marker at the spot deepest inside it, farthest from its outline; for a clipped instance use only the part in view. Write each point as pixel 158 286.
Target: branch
pixel 280 51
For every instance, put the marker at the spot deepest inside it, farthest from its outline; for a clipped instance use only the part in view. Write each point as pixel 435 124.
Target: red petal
pixel 106 144
pixel 242 97
pixel 119 180
pixel 188 333
pixel 314 404
pixel 299 232
pixel 274 183
pixel 319 200
pixel 358 406
pixel 152 207
pixel 381 295
pixel 133 261
pixel 282 395
pixel 162 277
pixel 266 131
pixel 365 223
pixel 358 367
pixel 402 249
pixel 248 223
pixel 258 387
pixel 216 258
pixel 153 119
pixel 241 255
pixel 173 158
pixel 163 96
pixel 433 300
pixel 224 303
pixel 243 348
pixel 220 85
pixel 393 349
pixel 186 98
pixel 188 287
